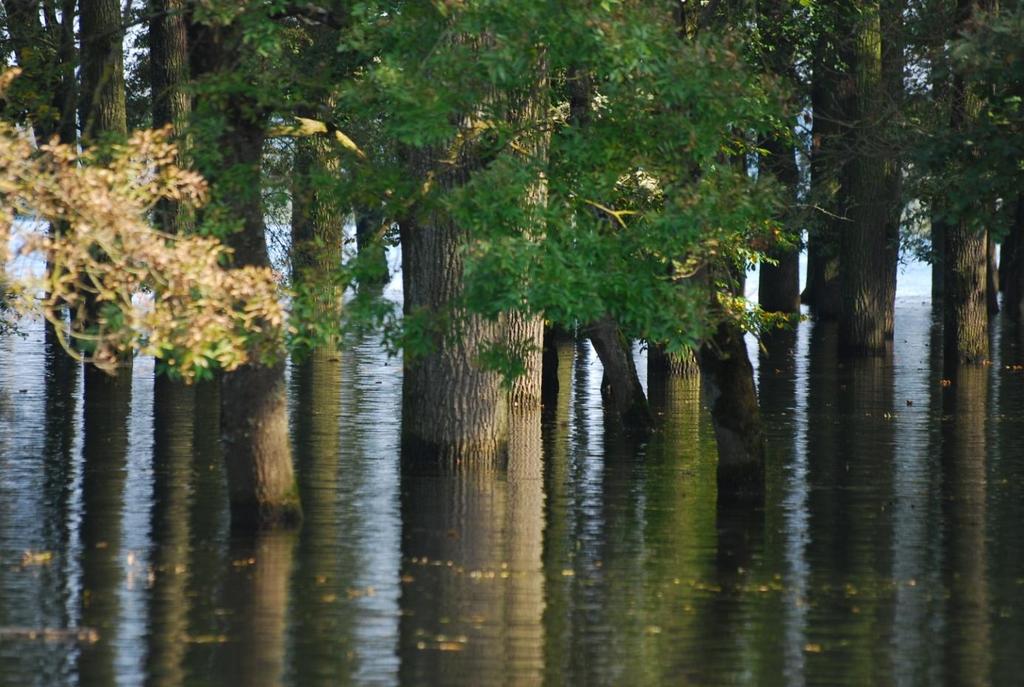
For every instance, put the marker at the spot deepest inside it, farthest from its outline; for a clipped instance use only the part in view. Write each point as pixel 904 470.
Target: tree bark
pixel 317 225
pixel 169 75
pixel 866 298
pixel 965 309
pixel 102 108
pixel 623 396
pixel 451 406
pixel 254 421
pixel 822 291
pixel 525 333
pixel 728 380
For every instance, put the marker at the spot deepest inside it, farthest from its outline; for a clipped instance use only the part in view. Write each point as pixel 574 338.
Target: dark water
pixel 891 550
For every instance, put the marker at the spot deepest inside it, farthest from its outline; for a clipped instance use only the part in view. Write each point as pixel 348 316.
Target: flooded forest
pixel 471 342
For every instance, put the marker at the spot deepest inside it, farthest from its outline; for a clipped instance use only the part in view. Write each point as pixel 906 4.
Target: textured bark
pixel 779 284
pixel 254 421
pixel 254 429
pixel 317 223
pixel 525 333
pixel 822 291
pixel 1013 266
pixel 865 252
pixel 169 75
pixel 965 310
pixel 728 380
pixel 102 102
pixel 451 406
pixel 624 398
pixel 662 364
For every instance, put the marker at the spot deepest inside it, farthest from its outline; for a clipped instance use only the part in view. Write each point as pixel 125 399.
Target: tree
pixel 869 242
pixel 254 420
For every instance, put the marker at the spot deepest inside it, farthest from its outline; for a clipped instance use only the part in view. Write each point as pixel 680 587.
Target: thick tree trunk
pixel 965 310
pixel 525 333
pixel 624 398
pixel 451 406
pixel 555 339
pixel 254 420
pixel 169 75
pixel 728 380
pixel 865 272
pixel 102 107
pixel 965 307
pixel 662 364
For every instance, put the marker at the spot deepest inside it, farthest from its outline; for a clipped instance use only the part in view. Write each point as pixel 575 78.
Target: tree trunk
pixel 317 226
pixel 866 298
pixel 451 406
pixel 938 237
pixel 254 419
pixel 779 284
pixel 169 75
pixel 102 107
pixel 555 338
pixel 623 396
pixel 822 291
pixel 662 364
pixel 728 379
pixel 373 268
pixel 965 308
pixel 525 333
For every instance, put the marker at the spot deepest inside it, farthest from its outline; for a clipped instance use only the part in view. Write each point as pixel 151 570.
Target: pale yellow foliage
pixel 154 293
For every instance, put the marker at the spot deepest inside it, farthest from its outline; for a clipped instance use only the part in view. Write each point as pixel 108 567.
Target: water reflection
pixel 888 550
pixel 106 408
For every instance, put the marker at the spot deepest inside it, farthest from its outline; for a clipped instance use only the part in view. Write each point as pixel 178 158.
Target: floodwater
pixel 890 549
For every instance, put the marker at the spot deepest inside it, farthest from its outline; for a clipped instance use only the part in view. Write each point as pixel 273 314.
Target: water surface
pixel 889 550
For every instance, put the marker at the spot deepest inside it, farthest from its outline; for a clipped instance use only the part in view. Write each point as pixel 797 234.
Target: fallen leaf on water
pixel 36 558
pixel 812 648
